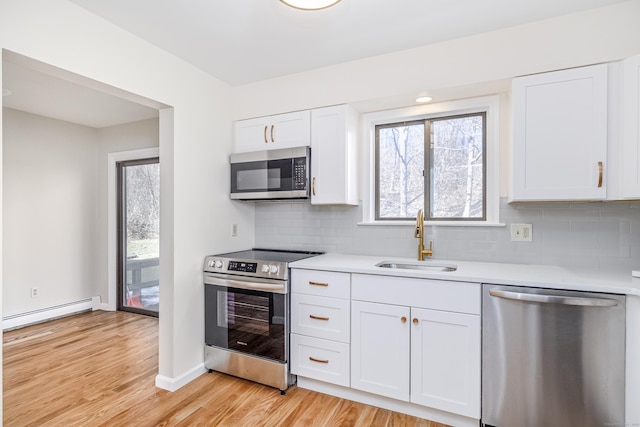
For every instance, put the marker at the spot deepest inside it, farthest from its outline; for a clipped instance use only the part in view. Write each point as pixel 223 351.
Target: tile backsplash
pixel 603 235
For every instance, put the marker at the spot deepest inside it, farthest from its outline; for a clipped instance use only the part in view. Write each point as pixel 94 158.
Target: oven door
pixel 248 321
pixel 274 174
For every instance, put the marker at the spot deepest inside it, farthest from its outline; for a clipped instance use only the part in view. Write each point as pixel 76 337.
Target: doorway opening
pixel 138 228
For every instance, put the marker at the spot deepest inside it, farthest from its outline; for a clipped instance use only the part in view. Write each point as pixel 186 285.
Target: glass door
pixel 139 236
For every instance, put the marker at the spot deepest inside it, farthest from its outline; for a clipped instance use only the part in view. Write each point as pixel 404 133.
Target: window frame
pixel 490 105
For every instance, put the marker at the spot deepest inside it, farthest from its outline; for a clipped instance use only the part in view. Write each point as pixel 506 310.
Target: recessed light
pixel 6 92
pixel 423 99
pixel 310 4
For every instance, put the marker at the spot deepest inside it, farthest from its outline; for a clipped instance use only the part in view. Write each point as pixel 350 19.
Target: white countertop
pixel 542 276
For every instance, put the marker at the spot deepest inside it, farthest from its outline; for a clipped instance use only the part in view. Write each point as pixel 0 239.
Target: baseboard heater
pixel 50 313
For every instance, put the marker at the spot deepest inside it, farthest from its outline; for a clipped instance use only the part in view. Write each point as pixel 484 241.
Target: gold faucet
pixel 419 234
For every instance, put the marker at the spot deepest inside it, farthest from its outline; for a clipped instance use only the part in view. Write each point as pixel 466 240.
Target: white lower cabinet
pixel 427 357
pixel 412 340
pixel 380 349
pixel 445 361
pixel 320 325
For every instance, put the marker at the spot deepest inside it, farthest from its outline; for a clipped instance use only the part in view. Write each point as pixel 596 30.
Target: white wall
pixel 195 140
pixel 50 212
pixel 464 67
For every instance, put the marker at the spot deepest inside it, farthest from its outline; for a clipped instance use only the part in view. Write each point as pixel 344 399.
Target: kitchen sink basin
pixel 423 266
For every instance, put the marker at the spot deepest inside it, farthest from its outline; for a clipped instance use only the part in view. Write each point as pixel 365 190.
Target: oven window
pixel 245 313
pixel 248 321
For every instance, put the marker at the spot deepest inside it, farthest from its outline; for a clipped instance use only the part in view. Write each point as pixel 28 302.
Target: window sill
pixel 412 223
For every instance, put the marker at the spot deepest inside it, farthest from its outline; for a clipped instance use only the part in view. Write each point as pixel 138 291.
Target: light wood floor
pixel 98 369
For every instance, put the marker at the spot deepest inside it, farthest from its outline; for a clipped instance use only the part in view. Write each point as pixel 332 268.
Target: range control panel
pixel 265 269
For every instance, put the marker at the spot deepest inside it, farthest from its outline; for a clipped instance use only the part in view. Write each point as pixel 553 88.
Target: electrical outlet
pixel 35 292
pixel 234 230
pixel 521 232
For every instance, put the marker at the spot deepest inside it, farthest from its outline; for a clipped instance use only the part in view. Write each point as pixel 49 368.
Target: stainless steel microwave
pixel 271 175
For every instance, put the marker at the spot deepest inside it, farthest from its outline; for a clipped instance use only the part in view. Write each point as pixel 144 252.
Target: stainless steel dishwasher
pixel 552 358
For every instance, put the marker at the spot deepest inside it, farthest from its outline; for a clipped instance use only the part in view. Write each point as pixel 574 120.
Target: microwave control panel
pixel 299 173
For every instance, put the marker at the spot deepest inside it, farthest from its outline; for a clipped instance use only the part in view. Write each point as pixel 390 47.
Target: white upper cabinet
pixel 334 160
pixel 560 135
pixel 273 132
pixel 630 145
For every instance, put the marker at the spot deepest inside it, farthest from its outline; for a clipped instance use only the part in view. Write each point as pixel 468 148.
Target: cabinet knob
pixel 415 320
pixel 403 319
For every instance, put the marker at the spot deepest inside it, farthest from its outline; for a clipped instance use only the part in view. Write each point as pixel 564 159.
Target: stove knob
pixel 212 263
pixel 273 269
pixel 219 264
pixel 265 268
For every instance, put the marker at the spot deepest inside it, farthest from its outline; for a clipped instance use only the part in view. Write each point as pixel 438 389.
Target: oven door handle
pixel 275 287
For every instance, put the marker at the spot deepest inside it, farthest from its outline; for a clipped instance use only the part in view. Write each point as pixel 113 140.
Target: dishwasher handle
pixel 554 299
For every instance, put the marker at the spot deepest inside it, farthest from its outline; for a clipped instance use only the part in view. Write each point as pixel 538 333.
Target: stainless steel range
pixel 247 314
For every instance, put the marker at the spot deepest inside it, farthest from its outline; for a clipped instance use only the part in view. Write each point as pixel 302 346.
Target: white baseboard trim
pixel 49 313
pixel 173 384
pixel 387 403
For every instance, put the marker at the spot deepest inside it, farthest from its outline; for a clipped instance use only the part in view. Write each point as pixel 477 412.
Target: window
pixel 441 158
pixel 435 164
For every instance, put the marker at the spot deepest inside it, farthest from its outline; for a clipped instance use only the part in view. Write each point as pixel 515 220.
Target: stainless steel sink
pixel 418 265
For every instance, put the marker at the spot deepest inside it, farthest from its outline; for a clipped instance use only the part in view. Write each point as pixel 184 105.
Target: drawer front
pixel 322 283
pixel 321 317
pixel 459 297
pixel 320 359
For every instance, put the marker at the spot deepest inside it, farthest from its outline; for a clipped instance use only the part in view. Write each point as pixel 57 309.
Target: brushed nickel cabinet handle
pixel 313 186
pixel 313 359
pixel 600 170
pixel 403 319
pixel 415 320
pixel 272 140
pixel 318 317
pixel 318 284
pixel 265 134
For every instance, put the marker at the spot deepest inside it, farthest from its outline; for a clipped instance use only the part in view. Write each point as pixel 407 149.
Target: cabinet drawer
pixel 460 297
pixel 322 283
pixel 320 317
pixel 320 359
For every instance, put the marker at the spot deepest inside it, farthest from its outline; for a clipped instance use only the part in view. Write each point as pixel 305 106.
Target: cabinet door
pixel 380 349
pixel 560 135
pixel 333 156
pixel 251 135
pixel 445 361
pixel 273 132
pixel 631 128
pixel 290 130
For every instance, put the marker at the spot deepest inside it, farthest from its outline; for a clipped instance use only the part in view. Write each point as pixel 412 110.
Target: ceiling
pixel 55 95
pixel 243 41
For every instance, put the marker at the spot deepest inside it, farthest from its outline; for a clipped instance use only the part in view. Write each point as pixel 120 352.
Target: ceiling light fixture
pixel 423 99
pixel 310 4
